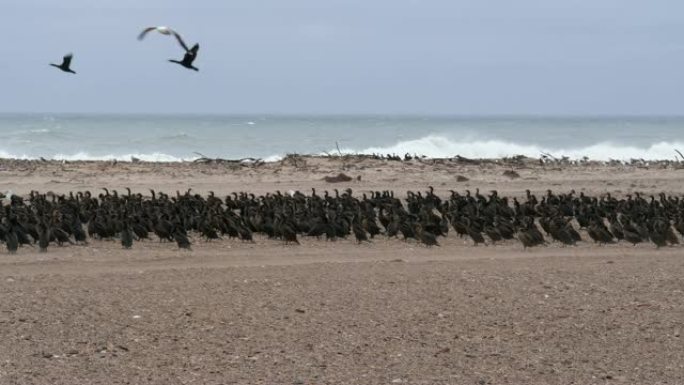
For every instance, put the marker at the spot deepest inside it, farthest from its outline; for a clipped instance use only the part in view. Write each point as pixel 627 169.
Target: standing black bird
pixel 289 234
pixel 427 238
pixel 66 63
pixel 44 235
pixel 126 235
pixel 11 241
pixel 182 239
pixel 359 232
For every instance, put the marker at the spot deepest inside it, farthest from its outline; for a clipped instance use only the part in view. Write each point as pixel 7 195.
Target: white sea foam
pixel 153 157
pixel 436 146
pixel 433 146
pixel 273 158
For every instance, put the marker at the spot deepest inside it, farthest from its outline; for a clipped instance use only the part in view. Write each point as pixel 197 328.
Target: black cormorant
pixel 66 63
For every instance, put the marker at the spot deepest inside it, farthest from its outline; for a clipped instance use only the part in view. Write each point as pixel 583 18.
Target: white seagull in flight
pixel 190 53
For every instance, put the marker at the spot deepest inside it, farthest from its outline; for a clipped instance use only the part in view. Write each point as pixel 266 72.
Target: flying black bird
pixel 189 57
pixel 190 53
pixel 66 62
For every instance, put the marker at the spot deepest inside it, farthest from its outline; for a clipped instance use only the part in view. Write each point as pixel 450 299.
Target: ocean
pixel 170 138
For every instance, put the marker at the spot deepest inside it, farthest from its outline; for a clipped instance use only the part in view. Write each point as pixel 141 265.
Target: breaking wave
pixel 433 146
pixel 436 146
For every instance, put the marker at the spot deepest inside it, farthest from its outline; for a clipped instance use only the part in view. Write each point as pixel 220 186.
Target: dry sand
pixel 323 313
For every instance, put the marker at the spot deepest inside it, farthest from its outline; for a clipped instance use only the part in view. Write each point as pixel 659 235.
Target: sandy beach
pixel 387 312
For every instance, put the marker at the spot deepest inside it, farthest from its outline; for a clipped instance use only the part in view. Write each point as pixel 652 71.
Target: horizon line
pixel 350 114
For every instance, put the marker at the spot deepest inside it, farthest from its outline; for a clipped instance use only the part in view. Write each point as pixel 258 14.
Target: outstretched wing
pixel 180 40
pixel 67 60
pixel 145 32
pixel 166 31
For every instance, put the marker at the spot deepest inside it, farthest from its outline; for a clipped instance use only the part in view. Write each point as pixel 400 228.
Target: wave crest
pixel 436 146
pixel 433 146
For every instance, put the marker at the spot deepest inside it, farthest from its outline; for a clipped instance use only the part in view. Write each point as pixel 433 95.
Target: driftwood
pixel 341 177
pixel 680 154
pixel 511 174
pixel 517 160
pixel 295 159
pixel 464 160
pixel 244 162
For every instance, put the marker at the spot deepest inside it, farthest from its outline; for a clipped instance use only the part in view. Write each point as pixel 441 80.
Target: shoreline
pixel 545 159
pixel 510 176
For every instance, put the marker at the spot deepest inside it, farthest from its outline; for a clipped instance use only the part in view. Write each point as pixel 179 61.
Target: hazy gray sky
pixel 347 56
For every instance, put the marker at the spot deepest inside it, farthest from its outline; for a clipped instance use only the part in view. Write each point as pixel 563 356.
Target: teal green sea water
pixel 172 138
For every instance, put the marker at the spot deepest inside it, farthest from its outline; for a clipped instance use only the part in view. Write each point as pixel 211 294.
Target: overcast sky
pixel 469 57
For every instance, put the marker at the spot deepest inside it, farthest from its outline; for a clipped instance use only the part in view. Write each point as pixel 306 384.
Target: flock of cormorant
pixel 423 217
pixel 188 58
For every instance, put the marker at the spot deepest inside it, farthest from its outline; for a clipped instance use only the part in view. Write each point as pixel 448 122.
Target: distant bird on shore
pixel 190 53
pixel 66 63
